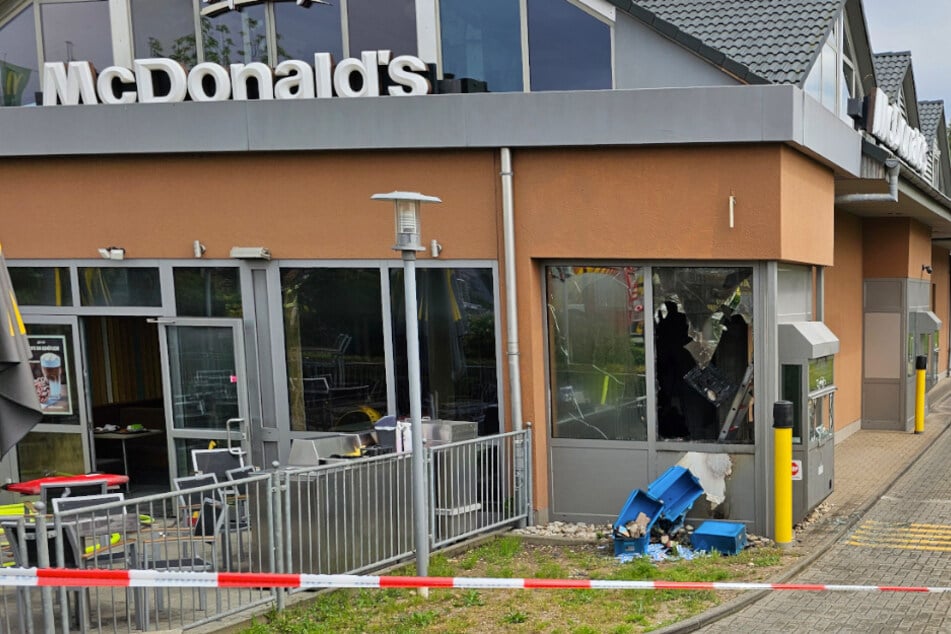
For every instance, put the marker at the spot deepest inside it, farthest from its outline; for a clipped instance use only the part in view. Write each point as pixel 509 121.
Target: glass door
pixel 205 387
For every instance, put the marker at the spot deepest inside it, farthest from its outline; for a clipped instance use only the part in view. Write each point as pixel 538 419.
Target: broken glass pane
pixel 703 320
pixel 596 346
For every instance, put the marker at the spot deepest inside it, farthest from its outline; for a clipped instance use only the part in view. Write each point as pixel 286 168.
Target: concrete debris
pixel 635 528
pixel 817 515
pixel 568 531
pixel 594 533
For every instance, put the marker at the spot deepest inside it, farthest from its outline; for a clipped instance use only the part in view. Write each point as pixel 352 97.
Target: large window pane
pixel 482 40
pixel 703 341
pixel 596 352
pixel 77 31
pixel 165 28
pixel 40 454
pixel 119 286
pixel 207 292
pixel 41 286
pixel 333 333
pixel 568 49
pixel 235 37
pixel 302 32
pixel 456 310
pixel 376 25
pixel 19 71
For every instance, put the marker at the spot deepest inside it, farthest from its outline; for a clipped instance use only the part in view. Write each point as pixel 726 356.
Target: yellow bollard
pixel 921 363
pixel 782 472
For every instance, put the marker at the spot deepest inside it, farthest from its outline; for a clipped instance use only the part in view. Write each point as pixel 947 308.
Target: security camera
pixel 926 268
pixel 198 248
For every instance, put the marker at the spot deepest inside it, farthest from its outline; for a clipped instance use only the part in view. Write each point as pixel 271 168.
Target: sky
pixel 922 27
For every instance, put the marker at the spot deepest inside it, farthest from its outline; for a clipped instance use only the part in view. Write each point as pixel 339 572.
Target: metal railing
pixel 350 516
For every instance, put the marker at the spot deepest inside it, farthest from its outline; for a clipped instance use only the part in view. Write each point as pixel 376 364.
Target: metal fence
pixel 351 516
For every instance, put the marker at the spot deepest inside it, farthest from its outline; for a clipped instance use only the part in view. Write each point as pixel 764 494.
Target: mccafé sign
pixel 887 124
pixel 375 73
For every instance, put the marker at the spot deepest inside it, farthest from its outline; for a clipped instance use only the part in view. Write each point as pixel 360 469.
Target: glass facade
pixel 119 286
pixel 165 28
pixel 375 25
pixel 482 41
pixel 235 37
pixel 458 369
pixel 77 31
pixel 333 334
pixel 19 70
pixel 596 351
pixel 568 48
pixel 302 32
pixel 42 286
pixel 207 292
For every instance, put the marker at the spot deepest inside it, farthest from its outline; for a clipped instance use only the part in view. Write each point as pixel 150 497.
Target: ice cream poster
pixel 50 374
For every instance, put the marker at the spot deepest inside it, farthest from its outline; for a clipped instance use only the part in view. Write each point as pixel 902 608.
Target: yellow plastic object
pixel 113 540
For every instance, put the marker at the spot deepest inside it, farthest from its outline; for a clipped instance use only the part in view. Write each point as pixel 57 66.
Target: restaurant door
pixel 205 387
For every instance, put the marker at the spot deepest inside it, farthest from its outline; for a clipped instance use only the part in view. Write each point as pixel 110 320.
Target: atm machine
pixel 924 327
pixel 806 353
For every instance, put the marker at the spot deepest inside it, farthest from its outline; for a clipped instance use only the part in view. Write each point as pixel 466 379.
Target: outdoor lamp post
pixel 406 205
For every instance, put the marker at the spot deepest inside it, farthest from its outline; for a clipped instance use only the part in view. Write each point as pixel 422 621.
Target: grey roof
pixel 930 114
pixel 756 40
pixel 890 71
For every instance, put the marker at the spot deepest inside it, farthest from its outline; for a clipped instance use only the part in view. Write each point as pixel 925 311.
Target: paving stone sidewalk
pixel 884 481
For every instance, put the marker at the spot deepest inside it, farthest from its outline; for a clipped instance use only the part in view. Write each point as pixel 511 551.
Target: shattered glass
pixel 703 320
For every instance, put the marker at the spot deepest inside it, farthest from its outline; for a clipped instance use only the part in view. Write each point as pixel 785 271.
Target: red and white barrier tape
pixel 69 577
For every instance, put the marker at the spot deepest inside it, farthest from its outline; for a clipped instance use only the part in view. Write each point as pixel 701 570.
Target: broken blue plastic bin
pixel 678 489
pixel 639 502
pixel 727 538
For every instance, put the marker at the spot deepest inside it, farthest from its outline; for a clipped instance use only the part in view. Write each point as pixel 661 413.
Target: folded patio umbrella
pixel 19 405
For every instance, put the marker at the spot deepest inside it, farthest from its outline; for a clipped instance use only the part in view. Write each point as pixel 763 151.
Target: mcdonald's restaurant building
pixel 643 241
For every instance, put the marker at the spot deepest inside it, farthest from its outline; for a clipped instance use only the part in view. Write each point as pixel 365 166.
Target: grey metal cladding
pixel 769 40
pixel 890 71
pixel 930 114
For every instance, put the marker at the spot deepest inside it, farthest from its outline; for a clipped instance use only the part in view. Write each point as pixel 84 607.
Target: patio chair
pixel 58 490
pixel 93 538
pixel 203 515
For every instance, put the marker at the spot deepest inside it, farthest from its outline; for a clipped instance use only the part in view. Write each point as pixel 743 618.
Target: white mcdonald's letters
pixel 78 82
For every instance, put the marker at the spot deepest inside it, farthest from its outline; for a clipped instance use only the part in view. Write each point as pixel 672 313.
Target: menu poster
pixel 50 373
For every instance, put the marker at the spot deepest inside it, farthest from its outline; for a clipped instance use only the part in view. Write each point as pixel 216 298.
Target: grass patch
pixel 555 611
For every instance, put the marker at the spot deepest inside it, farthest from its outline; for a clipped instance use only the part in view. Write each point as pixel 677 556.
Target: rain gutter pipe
pixel 892 167
pixel 511 294
pixel 523 488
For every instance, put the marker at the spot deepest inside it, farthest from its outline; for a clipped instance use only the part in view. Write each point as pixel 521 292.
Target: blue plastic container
pixel 639 502
pixel 727 538
pixel 678 489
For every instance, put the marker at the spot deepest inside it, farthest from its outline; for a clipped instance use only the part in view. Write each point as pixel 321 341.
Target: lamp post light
pixel 406 206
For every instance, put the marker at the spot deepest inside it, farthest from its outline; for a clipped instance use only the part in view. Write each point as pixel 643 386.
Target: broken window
pixel 596 351
pixel 703 339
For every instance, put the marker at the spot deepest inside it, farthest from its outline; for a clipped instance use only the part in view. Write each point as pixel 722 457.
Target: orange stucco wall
pixel 299 205
pixel 919 248
pixel 648 203
pixel 843 300
pixel 654 203
pixel 808 190
pixel 941 279
pixel 891 245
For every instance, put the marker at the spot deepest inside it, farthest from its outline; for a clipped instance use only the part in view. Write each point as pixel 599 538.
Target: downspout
pixel 893 167
pixel 511 294
pixel 523 469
